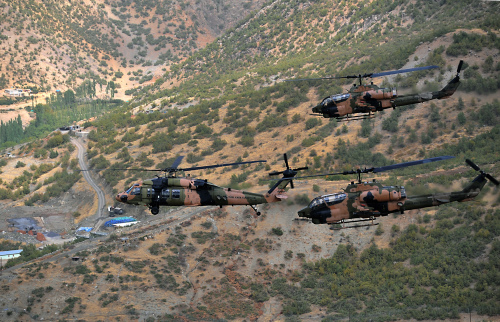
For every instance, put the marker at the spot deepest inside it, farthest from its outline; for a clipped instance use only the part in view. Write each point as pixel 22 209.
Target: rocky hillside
pixel 60 44
pixel 227 102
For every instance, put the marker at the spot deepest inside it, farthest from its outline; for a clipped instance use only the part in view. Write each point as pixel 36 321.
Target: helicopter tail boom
pixel 468 193
pixel 446 92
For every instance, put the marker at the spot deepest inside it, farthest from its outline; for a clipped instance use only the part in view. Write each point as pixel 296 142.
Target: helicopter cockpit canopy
pixel 134 190
pixel 327 200
pixel 335 99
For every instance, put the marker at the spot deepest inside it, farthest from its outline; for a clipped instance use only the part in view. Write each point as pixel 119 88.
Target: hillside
pixel 58 45
pixel 226 100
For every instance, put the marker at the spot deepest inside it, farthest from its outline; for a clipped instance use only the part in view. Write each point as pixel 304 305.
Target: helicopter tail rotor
pixel 483 174
pixel 459 68
pixel 288 173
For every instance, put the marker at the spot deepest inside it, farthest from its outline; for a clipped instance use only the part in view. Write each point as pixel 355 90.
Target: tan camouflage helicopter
pixel 364 201
pixel 172 191
pixel 361 101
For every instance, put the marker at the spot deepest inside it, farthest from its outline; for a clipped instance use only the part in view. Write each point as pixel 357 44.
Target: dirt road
pixel 86 175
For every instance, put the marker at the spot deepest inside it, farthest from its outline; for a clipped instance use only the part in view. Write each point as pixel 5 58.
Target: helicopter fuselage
pixel 359 99
pixel 366 99
pixel 191 192
pixel 371 200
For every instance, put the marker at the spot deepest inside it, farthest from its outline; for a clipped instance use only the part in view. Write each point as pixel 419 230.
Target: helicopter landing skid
pixel 341 224
pixel 357 117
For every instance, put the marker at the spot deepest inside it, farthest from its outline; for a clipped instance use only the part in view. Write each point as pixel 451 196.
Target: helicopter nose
pixel 305 212
pixel 121 198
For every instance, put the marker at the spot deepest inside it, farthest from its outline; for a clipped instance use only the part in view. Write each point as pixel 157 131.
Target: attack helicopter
pixel 365 201
pixel 362 100
pixel 170 190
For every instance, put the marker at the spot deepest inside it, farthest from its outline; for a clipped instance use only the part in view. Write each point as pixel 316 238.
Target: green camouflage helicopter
pixel 172 191
pixel 364 201
pixel 361 101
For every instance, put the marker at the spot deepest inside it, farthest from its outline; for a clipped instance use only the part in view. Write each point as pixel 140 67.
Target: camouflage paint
pixel 371 98
pixel 195 192
pixel 369 200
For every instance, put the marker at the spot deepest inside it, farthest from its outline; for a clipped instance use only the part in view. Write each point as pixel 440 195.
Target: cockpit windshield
pixel 336 98
pixel 134 190
pixel 327 200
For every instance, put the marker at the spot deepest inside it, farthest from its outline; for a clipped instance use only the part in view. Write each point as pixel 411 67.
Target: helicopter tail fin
pixel 277 191
pixel 452 86
pixel 478 183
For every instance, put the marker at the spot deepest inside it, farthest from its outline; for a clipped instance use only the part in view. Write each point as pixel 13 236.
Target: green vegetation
pixel 277 231
pixel 202 237
pixel 227 84
pixel 374 284
pixel 30 252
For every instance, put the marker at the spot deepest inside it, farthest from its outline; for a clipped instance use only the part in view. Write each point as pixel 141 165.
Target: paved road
pixel 100 194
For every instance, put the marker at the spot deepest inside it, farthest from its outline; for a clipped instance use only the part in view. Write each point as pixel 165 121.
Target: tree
pixel 69 97
pixel 461 118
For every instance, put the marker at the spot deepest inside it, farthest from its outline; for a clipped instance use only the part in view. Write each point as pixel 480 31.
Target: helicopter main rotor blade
pixel 286 161
pixel 400 71
pixel 173 167
pixel 408 164
pixel 371 75
pixel 381 169
pixel 176 162
pixel 319 78
pixel 328 174
pixel 219 165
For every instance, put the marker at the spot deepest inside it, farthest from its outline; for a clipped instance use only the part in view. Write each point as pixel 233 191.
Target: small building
pixel 18 92
pixel 9 254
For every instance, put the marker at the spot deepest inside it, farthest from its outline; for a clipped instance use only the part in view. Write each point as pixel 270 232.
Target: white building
pixel 18 92
pixel 9 254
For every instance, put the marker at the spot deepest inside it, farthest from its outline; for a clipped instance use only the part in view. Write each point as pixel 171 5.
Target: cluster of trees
pixel 59 111
pixel 464 42
pixel 61 182
pixel 11 131
pixel 30 252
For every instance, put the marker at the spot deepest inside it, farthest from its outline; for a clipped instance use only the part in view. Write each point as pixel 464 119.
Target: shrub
pixel 277 231
pixel 312 122
pixel 302 199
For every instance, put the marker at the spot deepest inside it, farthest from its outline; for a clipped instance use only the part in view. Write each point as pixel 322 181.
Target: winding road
pixel 86 175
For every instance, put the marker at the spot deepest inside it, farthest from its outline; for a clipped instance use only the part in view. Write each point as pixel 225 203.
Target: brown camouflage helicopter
pixel 364 201
pixel 172 191
pixel 364 100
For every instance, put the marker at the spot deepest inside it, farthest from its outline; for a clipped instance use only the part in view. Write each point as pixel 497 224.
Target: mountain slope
pixel 58 44
pixel 227 102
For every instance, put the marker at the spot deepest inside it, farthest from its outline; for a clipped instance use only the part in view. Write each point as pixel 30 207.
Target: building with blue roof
pixel 9 254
